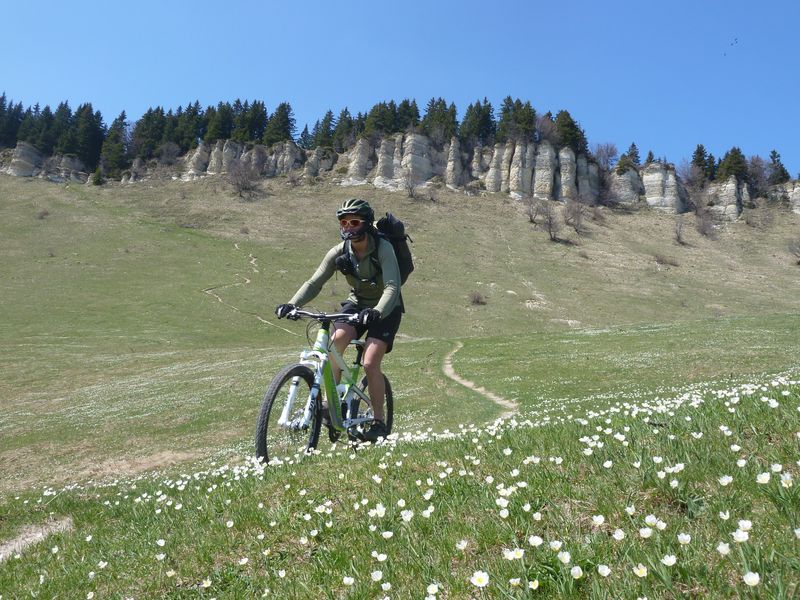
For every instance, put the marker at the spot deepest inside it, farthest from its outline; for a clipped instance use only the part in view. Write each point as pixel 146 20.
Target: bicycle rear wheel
pixel 361 408
pixel 276 441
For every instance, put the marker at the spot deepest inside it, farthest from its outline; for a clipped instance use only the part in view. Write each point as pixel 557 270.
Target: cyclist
pixel 370 266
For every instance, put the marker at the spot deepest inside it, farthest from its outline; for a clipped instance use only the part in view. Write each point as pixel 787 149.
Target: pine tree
pixel 28 129
pixel 306 140
pixel 777 172
pixel 381 120
pixel 322 135
pixel 220 124
pixel 570 134
pixel 506 126
pixel 407 115
pixel 114 154
pixel 148 133
pixel 281 125
pixel 343 136
pixel 633 154
pixel 733 163
pixel 257 120
pixel 10 121
pixel 190 128
pixel 46 141
pixel 3 117
pixel 650 158
pixel 90 132
pixel 478 126
pixel 439 122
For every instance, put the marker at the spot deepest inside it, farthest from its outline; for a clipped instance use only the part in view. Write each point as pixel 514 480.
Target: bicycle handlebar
pixel 321 316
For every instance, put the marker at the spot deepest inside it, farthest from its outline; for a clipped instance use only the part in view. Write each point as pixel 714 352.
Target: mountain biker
pixel 370 267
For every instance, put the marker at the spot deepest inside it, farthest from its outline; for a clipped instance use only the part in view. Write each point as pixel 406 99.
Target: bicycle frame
pixel 346 392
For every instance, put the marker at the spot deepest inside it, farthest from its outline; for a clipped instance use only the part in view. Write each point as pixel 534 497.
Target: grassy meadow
pixel 656 384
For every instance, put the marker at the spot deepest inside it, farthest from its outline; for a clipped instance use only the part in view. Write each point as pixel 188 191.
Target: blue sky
pixel 666 75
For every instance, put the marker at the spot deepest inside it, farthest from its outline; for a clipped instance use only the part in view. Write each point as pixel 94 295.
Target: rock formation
pixel 416 162
pixel 26 161
pixel 61 168
pixel 390 160
pixel 544 171
pixel 494 176
pixel 568 185
pixel 454 171
pixel 724 199
pixel 626 188
pixel 215 158
pixel 282 158
pixel 359 164
pixel 319 160
pixel 794 196
pixel 522 169
pixel 662 188
pixel 196 162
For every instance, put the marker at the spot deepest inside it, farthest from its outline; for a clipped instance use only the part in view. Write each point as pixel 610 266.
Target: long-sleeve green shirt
pixel 370 287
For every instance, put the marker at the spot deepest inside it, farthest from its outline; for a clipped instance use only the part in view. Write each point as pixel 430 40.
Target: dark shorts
pixel 383 330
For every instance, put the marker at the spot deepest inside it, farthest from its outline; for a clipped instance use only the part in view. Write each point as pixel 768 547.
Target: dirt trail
pixel 212 291
pixel 509 407
pixel 32 534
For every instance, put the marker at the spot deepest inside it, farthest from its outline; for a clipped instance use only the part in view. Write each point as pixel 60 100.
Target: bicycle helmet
pixel 356 206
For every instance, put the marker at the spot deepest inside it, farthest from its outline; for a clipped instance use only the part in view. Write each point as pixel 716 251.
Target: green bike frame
pixel 346 395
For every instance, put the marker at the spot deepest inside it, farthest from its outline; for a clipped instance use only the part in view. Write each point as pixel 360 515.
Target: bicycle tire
pixel 363 409
pixel 274 441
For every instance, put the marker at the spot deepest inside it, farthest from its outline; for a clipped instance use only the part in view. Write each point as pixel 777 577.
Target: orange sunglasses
pixel 350 222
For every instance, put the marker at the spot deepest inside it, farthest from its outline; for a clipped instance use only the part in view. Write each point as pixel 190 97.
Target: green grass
pixel 138 334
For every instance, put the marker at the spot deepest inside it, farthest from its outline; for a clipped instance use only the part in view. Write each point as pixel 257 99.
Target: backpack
pixel 394 231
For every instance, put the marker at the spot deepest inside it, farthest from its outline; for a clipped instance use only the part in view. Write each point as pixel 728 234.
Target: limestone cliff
pixel 725 199
pixel 627 188
pixel 521 169
pixel 663 190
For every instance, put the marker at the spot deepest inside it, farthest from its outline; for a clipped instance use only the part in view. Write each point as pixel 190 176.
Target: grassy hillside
pixel 138 335
pixel 138 323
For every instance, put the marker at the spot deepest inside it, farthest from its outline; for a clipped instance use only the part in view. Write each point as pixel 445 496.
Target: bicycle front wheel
pixel 286 439
pixel 362 408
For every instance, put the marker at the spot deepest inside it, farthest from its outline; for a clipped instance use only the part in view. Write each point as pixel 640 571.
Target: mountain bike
pixel 291 414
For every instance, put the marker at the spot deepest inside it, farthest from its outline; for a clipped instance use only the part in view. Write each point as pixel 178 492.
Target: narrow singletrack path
pixel 212 291
pixel 509 406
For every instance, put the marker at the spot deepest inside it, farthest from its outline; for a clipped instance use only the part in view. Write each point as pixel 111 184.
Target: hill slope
pixel 138 327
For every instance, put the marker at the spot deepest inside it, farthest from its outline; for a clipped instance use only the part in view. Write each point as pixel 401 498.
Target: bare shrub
pixel 794 248
pixel 574 213
pixel 679 230
pixel 694 180
pixel 757 174
pixel 477 299
pixel 666 260
pixel 293 178
pixel 43 214
pixel 759 218
pixel 245 230
pixel 474 187
pixel 546 130
pixel 531 208
pixel 606 155
pixel 549 220
pixel 706 226
pixel 598 216
pixel 243 178
pixel 409 184
pixel 168 154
